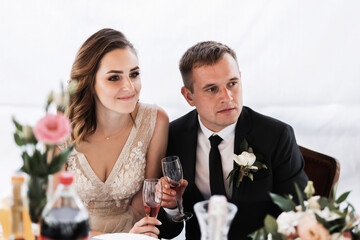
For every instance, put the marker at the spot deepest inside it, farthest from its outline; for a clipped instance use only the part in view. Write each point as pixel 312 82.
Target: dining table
pixel 122 236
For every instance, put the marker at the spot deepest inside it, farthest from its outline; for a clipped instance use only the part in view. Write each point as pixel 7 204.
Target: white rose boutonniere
pixel 246 164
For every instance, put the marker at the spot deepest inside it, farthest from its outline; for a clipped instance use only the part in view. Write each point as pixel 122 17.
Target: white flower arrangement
pixel 317 218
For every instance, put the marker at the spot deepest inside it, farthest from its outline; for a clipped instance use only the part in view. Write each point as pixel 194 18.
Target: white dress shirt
pixel 202 173
pixel 226 148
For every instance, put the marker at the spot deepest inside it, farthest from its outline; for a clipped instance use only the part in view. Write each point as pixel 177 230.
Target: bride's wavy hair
pixel 81 111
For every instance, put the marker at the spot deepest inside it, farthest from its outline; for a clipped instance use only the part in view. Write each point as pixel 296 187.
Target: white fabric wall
pixel 300 62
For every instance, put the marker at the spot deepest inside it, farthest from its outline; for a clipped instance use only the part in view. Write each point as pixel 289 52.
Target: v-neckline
pixel 86 165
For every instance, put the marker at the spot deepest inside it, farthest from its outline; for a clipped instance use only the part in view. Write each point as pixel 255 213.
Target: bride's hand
pixel 146 226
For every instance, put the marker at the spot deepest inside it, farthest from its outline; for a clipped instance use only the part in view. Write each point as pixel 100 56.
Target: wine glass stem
pixel 179 207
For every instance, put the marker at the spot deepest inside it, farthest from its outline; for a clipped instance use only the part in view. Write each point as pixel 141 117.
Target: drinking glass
pixel 152 194
pixel 173 174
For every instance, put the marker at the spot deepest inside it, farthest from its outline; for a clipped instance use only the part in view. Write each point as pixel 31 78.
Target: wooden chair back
pixel 322 169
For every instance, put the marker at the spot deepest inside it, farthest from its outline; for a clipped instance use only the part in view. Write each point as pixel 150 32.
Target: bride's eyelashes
pixel 134 74
pixel 117 77
pixel 114 78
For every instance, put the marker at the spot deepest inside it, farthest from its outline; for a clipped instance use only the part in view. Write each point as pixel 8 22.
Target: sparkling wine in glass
pixel 173 173
pixel 152 194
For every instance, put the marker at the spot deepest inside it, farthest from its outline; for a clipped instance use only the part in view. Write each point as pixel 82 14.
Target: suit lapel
pixel 242 130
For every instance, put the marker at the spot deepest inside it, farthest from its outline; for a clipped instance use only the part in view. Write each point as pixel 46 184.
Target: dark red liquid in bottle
pixel 61 224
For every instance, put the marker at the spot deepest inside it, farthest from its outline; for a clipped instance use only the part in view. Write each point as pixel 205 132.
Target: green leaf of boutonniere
pixel 244 145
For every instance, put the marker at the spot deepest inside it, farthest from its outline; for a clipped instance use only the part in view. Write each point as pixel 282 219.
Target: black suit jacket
pixel 269 137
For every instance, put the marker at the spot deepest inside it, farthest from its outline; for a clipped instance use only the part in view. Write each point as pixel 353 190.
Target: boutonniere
pixel 247 163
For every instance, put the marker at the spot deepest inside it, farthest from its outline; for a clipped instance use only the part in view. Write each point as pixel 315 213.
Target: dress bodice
pixel 109 202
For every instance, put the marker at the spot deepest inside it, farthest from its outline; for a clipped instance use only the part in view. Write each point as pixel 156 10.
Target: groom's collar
pixel 224 133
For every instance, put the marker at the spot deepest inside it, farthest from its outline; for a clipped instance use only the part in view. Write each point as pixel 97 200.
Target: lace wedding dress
pixel 109 202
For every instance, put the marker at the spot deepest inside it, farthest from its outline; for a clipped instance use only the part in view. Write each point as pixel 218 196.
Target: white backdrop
pixel 300 62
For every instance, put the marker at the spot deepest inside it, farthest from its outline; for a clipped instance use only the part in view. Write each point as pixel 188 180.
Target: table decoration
pixel 122 236
pixel 316 218
pixel 38 145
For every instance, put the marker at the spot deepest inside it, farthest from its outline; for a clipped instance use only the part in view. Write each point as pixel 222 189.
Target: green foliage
pixel 245 170
pixel 285 204
pixel 238 181
pixel 333 193
pixel 18 139
pixel 37 196
pixel 345 221
pixel 232 175
pixel 244 145
pixel 270 224
pixel 270 227
pixel 323 202
pixel 259 165
pixel 343 197
pixel 58 161
pixel 41 161
pixel 49 100
pixel 300 196
pixel 17 125
pixel 251 176
pixel 38 167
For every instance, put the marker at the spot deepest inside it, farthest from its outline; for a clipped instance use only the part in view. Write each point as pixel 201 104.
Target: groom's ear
pixel 188 96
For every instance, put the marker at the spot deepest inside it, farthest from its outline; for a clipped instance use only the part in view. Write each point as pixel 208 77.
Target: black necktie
pixel 216 174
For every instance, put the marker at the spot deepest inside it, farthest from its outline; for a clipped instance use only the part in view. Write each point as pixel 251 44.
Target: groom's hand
pixel 169 195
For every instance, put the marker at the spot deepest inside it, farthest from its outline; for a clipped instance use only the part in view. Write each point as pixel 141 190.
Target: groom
pixel 206 138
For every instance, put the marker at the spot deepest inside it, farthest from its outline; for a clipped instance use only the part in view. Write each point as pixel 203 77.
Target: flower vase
pixel 37 196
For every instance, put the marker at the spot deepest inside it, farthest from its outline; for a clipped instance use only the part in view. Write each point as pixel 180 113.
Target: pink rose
pixel 310 229
pixel 52 129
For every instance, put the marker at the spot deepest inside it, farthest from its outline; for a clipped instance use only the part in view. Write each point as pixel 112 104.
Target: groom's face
pixel 217 93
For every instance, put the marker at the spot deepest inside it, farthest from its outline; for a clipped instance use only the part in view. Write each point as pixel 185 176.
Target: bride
pixel 119 140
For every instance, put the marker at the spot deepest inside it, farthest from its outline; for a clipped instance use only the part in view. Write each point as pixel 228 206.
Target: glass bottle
pixel 65 216
pixel 17 224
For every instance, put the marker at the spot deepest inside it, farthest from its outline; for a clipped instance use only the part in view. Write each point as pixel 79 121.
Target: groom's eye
pixel 212 89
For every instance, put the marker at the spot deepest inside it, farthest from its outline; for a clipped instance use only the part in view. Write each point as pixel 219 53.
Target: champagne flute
pixel 152 195
pixel 173 173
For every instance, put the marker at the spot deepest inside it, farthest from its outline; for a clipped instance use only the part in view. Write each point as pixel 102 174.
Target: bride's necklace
pixel 109 137
pixel 113 135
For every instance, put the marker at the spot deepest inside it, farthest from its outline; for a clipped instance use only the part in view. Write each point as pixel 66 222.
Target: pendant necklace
pixel 109 137
pixel 113 135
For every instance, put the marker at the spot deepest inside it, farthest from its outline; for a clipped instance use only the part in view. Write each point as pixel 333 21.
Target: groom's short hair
pixel 201 54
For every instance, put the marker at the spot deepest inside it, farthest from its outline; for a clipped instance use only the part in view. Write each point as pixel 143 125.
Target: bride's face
pixel 117 81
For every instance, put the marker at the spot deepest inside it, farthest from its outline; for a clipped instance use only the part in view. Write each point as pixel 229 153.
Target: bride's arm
pixel 156 151
pixel 158 145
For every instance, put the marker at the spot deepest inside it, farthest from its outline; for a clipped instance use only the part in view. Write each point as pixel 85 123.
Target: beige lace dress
pixel 109 202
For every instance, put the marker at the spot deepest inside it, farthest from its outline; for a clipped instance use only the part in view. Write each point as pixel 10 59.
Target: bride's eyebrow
pixel 121 72
pixel 115 71
pixel 135 68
